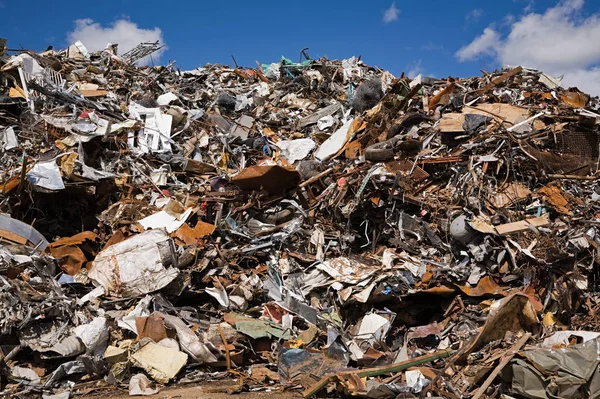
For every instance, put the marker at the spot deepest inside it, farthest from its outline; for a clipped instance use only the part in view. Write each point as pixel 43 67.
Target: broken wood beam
pixel 573 177
pixel 316 177
pixel 505 359
pixel 433 101
pixel 495 82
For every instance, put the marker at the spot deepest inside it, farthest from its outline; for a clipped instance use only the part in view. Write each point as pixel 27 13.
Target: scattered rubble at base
pixel 320 226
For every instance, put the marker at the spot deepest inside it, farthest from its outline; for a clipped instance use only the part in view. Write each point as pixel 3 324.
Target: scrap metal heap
pixel 321 225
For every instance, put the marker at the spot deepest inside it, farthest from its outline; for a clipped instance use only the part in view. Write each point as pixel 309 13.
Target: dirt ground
pixel 217 390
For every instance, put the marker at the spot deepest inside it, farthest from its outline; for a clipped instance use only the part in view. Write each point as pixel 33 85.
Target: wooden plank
pixel 451 122
pixel 93 93
pixel 522 225
pixel 10 236
pixel 507 358
pixel 448 159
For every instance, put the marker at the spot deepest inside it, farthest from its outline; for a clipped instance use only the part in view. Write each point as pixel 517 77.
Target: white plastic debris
pixel 295 150
pixel 82 49
pixel 94 335
pixel 373 328
pixel 25 61
pixel 334 143
pixel 46 175
pixel 164 220
pixel 325 122
pixel 8 138
pixel 93 294
pixel 135 266
pixel 352 70
pixel 140 385
pixel 166 99
pixel 416 380
pixel 220 295
pixel 155 135
pixel 561 338
pixel 62 395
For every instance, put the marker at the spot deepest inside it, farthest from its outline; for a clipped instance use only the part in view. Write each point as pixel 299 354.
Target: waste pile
pixel 318 225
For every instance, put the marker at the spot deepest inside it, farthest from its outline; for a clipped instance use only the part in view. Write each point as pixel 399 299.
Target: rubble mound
pixel 322 225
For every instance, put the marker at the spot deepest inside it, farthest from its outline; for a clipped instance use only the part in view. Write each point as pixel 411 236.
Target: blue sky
pixel 432 39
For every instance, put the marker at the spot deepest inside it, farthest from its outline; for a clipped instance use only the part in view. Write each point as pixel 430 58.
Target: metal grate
pixel 140 51
pixel 49 78
pixel 583 144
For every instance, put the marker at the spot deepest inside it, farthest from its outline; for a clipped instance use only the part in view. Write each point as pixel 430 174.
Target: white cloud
pixel 508 20
pixel 558 41
pixel 96 37
pixel 587 80
pixel 529 6
pixel 415 70
pixel 431 46
pixel 391 14
pixel 474 14
pixel 484 44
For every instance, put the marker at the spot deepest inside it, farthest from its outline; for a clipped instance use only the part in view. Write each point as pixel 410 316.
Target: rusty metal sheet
pixel 273 178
